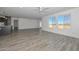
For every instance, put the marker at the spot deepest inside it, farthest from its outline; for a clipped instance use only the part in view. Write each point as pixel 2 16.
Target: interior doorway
pixel 15 25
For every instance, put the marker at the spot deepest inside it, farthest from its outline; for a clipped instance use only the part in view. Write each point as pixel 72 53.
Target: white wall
pixel 25 23
pixel 74 31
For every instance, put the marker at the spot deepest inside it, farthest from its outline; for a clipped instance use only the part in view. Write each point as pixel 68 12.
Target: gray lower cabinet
pixel 5 30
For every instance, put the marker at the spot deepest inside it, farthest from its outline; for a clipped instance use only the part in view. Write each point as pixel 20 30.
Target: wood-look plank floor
pixel 34 40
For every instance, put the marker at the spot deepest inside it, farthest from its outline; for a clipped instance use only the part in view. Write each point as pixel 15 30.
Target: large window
pixel 59 24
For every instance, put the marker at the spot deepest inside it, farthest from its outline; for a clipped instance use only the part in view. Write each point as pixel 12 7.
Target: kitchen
pixel 5 25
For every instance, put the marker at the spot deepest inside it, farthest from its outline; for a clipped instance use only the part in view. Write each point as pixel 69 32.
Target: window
pixel 67 21
pixel 64 22
pixel 59 24
pixel 52 23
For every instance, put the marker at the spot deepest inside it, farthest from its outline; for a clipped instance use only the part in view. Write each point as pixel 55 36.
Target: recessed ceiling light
pixel 20 7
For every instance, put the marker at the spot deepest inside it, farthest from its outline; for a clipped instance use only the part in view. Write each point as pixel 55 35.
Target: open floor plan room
pixel 39 29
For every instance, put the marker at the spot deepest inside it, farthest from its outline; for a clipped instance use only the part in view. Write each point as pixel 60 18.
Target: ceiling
pixel 31 12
